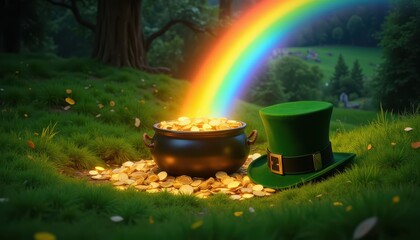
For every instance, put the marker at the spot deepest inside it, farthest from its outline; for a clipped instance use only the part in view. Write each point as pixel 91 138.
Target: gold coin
pixel 122 177
pixel 221 174
pixel 196 183
pixel 235 197
pixel 162 175
pixel 166 184
pixel 259 193
pixel 100 169
pixel 248 195
pixel 233 184
pixel 257 187
pixel 269 190
pixel 184 179
pixel 186 189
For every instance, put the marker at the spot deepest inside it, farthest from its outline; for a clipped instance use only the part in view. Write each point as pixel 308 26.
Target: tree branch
pixel 75 10
pixel 171 23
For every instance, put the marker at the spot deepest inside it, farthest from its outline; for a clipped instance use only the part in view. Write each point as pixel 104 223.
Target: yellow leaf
pixel 396 199
pixel 197 224
pixel 44 236
pixel 337 203
pixel 70 101
pixel 111 103
pixel 31 144
pixel 349 208
pixel 408 129
pixel 151 220
pixel 415 145
pixel 238 214
pixel 369 147
pixel 137 122
pixel 68 91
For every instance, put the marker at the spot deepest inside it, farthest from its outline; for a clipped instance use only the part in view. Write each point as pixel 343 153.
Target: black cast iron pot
pixel 199 154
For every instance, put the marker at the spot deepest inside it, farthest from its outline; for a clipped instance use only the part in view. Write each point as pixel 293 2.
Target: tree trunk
pixel 11 25
pixel 225 10
pixel 119 39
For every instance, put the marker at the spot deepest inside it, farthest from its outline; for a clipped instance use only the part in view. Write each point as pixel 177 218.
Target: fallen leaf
pixel 349 208
pixel 337 203
pixel 365 227
pixel 25 115
pixel 197 224
pixel 44 236
pixel 151 220
pixel 117 218
pixel 3 200
pixel 408 129
pixel 111 103
pixel 393 144
pixel 137 122
pixel 395 199
pixel 415 145
pixel 68 91
pixel 36 134
pixel 251 210
pixel 31 144
pixel 66 108
pixel 70 101
pixel 98 115
pixel 100 106
pixel 369 147
pixel 238 214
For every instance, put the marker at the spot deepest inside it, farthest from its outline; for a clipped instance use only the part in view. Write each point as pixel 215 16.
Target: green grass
pixel 43 190
pixel 369 58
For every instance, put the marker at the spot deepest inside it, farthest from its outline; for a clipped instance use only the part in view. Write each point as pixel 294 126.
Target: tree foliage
pixel 355 26
pixel 340 71
pixel 356 75
pixel 398 81
pixel 343 80
pixel 288 79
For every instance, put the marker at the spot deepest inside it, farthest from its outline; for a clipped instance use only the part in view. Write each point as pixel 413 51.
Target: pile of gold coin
pixel 146 176
pixel 200 124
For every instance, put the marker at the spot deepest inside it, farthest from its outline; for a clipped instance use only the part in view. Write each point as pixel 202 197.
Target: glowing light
pixel 241 51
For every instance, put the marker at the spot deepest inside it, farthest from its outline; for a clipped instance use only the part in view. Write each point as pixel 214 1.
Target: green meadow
pixel 369 58
pixel 47 149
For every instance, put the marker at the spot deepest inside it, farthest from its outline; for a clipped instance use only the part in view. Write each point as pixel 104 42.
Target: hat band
pixel 280 164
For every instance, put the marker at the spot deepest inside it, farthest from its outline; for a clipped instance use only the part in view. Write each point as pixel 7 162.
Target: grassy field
pixel 369 58
pixel 46 149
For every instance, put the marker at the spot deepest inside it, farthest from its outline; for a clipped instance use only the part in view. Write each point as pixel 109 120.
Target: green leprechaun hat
pixel 299 149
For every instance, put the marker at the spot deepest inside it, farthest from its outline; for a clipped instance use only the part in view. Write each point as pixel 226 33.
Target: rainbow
pixel 241 51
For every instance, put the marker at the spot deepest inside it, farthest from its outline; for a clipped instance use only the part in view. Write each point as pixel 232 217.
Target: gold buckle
pixel 276 163
pixel 317 161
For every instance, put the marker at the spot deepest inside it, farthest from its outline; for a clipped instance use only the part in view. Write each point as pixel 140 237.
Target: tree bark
pixel 119 36
pixel 225 10
pixel 11 19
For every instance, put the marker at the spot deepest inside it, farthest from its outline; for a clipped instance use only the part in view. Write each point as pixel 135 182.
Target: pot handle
pixel 252 137
pixel 150 145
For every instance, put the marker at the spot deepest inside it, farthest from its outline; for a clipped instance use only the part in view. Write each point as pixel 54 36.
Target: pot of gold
pixel 199 146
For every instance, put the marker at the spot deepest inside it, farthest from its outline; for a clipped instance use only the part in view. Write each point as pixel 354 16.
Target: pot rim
pixel 203 134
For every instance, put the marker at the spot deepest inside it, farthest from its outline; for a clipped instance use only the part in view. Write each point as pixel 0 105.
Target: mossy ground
pixel 42 188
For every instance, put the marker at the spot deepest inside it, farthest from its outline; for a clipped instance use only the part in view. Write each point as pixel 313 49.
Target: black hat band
pixel 280 164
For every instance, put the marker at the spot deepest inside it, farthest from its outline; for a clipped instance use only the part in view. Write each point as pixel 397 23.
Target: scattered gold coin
pixel 145 175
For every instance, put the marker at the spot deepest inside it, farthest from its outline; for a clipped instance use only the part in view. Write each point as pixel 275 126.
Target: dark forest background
pixel 175 35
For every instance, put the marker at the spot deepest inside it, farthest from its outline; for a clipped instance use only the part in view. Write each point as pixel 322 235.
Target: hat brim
pixel 259 172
